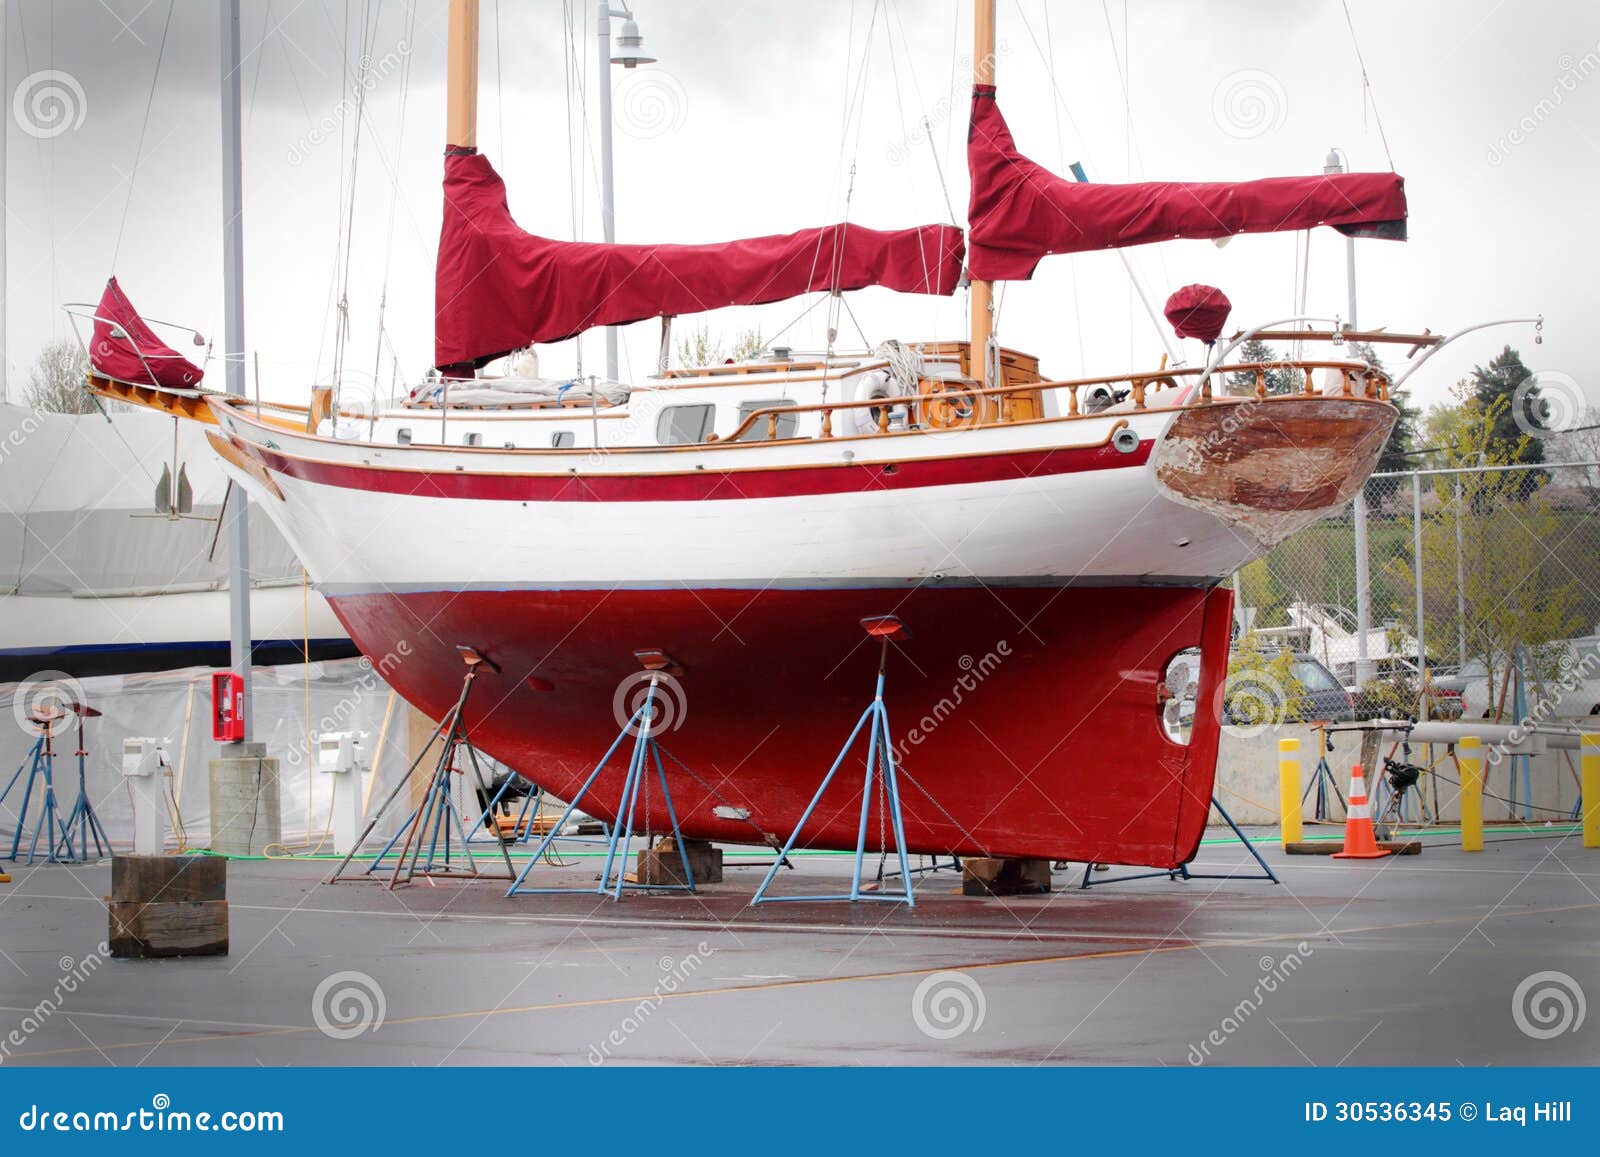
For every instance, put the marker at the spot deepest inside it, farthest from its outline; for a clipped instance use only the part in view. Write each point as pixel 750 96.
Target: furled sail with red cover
pixel 1019 211
pixel 499 288
pixel 133 353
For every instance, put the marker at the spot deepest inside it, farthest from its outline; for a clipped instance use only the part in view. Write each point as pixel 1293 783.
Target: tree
pixel 1281 377
pixel 56 382
pixel 697 348
pixel 1403 438
pixel 1489 575
pixel 1500 381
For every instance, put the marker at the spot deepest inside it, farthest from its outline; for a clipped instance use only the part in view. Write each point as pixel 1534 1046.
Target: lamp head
pixel 630 46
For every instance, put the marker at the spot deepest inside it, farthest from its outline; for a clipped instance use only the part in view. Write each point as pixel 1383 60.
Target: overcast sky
pixel 747 126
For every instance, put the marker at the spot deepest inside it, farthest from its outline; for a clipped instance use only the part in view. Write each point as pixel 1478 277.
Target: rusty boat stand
pixel 880 771
pixel 432 833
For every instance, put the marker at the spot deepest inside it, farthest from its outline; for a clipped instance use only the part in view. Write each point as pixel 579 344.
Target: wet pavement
pixel 1442 958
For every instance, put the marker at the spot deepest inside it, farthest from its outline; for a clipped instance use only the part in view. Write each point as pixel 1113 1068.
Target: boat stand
pixel 39 764
pixel 83 824
pixel 430 834
pixel 1322 782
pixel 1182 872
pixel 642 725
pixel 880 769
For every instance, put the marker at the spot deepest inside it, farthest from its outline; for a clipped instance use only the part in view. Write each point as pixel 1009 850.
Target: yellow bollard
pixel 1289 790
pixel 1471 794
pixel 1591 789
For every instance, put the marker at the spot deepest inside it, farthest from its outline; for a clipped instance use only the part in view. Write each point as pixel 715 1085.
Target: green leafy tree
pixel 1498 382
pixel 1397 451
pixel 1281 377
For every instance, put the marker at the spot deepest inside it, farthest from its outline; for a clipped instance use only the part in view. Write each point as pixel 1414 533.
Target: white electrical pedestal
pixel 336 756
pixel 144 763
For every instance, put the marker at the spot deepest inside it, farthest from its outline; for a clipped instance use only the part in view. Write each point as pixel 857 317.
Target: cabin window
pixel 787 423
pixel 684 425
pixel 402 436
pixel 563 440
pixel 472 439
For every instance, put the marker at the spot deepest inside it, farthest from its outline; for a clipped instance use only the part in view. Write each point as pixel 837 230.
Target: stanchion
pixel 1471 752
pixel 1289 791
pixel 880 769
pixel 1591 789
pixel 1182 872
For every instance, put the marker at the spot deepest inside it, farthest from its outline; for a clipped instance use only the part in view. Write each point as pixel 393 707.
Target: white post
pixel 336 756
pixel 5 128
pixel 1363 591
pixel 1416 546
pixel 237 515
pixel 1461 585
pixel 142 764
pixel 608 208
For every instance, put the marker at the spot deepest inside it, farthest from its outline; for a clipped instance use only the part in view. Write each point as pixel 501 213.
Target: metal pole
pixel 1416 547
pixel 5 90
pixel 1461 585
pixel 608 207
pixel 237 514
pixel 980 292
pixel 1363 591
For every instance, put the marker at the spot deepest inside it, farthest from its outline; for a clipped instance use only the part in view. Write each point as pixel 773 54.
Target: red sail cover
pixel 1198 311
pixel 1020 211
pixel 499 288
pixel 136 355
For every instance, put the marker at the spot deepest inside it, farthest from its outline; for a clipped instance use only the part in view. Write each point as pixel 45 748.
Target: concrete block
pixel 989 876
pixel 245 809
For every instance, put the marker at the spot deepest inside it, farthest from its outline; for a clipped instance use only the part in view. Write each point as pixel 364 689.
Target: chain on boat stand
pixel 642 725
pixel 1182 872
pixel 430 833
pixel 40 766
pixel 880 770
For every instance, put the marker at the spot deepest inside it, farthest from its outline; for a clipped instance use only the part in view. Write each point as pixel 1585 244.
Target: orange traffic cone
pixel 1360 842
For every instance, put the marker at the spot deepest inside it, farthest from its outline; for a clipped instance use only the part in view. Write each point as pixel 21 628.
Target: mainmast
pixel 461 82
pixel 982 292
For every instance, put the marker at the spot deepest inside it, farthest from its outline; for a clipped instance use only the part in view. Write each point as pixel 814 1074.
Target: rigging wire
pixel 144 125
pixel 1366 84
pixel 1061 149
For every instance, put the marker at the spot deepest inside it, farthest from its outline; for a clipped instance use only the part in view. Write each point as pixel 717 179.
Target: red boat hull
pixel 1027 719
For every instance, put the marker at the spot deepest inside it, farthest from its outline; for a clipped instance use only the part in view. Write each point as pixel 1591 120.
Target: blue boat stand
pixel 646 753
pixel 880 771
pixel 82 823
pixel 1182 872
pixel 40 765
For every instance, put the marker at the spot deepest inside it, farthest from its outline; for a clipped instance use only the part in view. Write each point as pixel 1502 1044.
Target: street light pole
pixel 1335 163
pixel 630 54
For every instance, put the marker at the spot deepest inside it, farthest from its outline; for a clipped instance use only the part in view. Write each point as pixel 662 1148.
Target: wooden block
pixel 163 928
pixel 990 876
pixel 660 864
pixel 169 879
pixel 1329 847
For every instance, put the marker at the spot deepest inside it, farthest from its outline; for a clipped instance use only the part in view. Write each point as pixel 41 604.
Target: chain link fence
pixel 1485 579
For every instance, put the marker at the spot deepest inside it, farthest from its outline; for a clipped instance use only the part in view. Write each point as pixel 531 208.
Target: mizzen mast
pixel 982 292
pixel 461 80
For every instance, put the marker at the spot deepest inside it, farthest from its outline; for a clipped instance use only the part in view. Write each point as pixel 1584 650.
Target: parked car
pixel 1251 700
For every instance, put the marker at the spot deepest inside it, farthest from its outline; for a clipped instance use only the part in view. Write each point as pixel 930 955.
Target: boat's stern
pixel 1273 465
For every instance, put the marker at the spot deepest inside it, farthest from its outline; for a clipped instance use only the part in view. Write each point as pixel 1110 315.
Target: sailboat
pixel 1049 545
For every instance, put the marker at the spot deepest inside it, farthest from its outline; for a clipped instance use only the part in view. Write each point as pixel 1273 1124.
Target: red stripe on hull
pixel 1027 718
pixel 703 485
